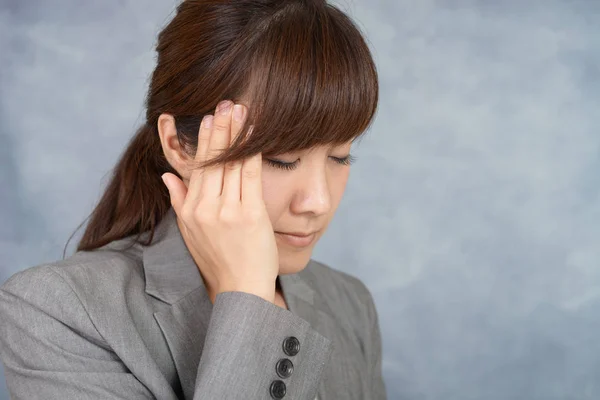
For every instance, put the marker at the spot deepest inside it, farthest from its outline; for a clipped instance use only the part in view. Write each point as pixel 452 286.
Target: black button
pixel 284 367
pixel 291 346
pixel 277 389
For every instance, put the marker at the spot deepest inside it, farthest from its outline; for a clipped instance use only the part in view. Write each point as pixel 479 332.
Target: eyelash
pixel 348 160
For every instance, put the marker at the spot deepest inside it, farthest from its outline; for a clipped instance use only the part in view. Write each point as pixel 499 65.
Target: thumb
pixel 177 190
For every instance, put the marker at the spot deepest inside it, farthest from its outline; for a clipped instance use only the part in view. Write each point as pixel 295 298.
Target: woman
pixel 193 279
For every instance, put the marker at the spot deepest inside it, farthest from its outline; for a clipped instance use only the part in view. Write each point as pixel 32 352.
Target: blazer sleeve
pixel 247 339
pixel 51 349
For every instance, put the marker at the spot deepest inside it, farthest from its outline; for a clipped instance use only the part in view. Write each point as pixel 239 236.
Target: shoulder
pixel 341 290
pixel 348 301
pixel 333 282
pixel 84 277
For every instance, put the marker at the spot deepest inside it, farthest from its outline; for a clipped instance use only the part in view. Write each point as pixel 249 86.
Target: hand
pixel 222 215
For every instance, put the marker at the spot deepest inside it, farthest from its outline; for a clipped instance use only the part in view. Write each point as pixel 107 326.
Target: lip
pixel 297 239
pixel 299 234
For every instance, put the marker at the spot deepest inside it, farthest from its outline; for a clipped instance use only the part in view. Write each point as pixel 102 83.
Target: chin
pixel 293 263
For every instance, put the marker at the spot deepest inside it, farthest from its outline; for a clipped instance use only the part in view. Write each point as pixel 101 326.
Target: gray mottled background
pixel 471 213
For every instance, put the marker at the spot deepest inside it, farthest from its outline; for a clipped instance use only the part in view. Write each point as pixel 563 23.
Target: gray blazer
pixel 137 323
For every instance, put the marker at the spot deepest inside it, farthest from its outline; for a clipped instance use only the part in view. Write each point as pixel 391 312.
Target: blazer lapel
pixel 173 277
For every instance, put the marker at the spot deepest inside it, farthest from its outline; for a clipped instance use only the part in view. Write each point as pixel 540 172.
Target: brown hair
pixel 301 66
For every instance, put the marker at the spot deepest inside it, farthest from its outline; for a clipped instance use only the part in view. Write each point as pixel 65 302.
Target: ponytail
pixel 135 199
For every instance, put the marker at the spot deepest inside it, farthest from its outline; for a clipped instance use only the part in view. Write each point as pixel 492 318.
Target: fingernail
pixel 224 107
pixel 207 121
pixel 164 180
pixel 238 112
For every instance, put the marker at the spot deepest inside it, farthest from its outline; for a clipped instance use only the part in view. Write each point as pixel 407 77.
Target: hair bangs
pixel 308 80
pixel 310 84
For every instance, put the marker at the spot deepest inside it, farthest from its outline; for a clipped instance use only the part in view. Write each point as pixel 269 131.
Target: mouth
pixel 297 239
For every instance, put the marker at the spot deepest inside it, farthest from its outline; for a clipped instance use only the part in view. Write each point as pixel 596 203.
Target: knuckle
pixel 202 216
pixel 187 213
pixel 203 141
pixel 252 215
pixel 233 165
pixel 229 215
pixel 214 153
pixel 220 126
pixel 250 173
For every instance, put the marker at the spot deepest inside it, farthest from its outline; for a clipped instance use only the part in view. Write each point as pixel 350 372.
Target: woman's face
pixel 304 198
pixel 301 197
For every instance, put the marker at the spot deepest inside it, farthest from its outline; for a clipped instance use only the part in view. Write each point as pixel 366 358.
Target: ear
pixel 174 152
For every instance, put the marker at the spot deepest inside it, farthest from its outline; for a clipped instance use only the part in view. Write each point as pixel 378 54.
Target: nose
pixel 313 194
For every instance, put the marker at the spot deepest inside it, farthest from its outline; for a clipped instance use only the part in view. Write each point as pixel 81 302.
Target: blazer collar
pixel 171 272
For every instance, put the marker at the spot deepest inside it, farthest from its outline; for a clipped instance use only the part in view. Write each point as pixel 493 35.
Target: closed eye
pixel 281 164
pixel 348 160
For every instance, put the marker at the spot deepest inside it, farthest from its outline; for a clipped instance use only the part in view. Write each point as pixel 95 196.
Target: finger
pixel 177 191
pixel 204 132
pixel 212 182
pixel 252 181
pixel 232 181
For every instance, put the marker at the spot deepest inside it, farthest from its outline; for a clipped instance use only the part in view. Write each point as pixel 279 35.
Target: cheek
pixel 273 189
pixel 338 185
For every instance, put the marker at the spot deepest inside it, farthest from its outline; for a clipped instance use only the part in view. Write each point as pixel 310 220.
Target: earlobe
pixel 172 149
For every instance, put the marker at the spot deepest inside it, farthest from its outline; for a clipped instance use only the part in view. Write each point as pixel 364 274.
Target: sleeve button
pixel 277 389
pixel 291 346
pixel 284 368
